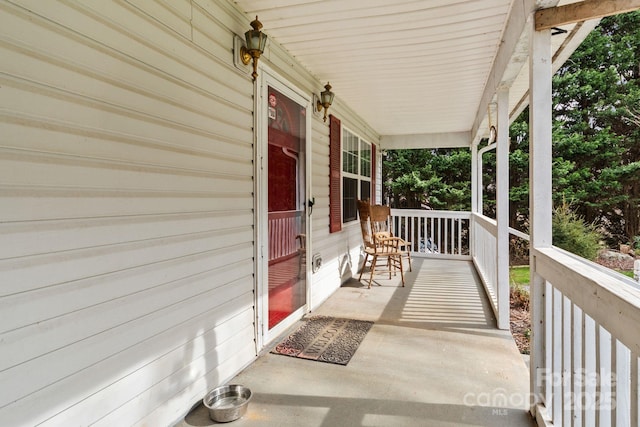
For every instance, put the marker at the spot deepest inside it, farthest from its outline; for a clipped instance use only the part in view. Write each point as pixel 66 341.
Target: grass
pixel 519 275
pixel 626 272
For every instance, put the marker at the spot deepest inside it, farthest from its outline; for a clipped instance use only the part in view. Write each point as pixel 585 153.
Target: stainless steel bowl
pixel 227 403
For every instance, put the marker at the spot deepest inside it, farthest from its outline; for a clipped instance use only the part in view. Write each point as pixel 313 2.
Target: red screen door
pixel 286 206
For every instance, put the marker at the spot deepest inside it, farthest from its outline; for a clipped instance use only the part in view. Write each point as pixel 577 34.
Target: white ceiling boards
pixel 407 67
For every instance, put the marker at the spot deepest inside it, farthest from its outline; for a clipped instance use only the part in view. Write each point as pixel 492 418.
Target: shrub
pixel 573 234
pixel 519 298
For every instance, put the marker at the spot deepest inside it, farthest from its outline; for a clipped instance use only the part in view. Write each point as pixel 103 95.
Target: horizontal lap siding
pixel 126 211
pixel 340 251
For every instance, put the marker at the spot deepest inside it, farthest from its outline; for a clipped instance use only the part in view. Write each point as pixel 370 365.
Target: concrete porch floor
pixel 433 358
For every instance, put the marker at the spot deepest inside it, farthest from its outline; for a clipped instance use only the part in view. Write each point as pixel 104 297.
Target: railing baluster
pixel 460 222
pixel 567 378
pixel 549 373
pixel 452 234
pixel 612 383
pixel 634 402
pixel 606 353
pixel 598 377
pixel 422 228
pixel 440 235
pixel 431 237
pixel 578 365
pixel 557 357
pixel 621 388
pixel 590 371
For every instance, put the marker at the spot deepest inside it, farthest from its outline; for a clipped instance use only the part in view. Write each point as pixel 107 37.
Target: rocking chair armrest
pixel 405 244
pixel 386 239
pixel 389 242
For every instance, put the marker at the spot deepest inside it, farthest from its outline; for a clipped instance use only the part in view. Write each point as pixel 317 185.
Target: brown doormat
pixel 325 339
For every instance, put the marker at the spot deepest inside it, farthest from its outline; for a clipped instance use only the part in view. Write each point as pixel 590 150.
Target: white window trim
pixel 357 176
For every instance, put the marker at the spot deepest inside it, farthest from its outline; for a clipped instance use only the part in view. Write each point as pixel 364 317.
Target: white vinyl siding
pixel 127 223
pixel 126 211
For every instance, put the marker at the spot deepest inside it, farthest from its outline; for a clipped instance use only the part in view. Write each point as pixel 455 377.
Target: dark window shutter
pixel 373 174
pixel 335 202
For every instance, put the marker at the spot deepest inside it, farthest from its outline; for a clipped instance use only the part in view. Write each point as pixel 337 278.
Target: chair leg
pixel 373 268
pixel 409 257
pixel 364 264
pixel 396 263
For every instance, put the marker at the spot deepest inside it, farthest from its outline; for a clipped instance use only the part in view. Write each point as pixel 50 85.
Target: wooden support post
pixel 502 208
pixel 540 202
pixel 474 178
pixel 474 199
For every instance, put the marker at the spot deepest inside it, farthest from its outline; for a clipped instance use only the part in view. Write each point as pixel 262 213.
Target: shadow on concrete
pixel 343 411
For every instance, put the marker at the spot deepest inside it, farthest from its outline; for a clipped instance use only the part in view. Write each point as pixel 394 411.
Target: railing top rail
pixel 486 222
pixel 430 213
pixel 519 234
pixel 284 214
pixel 610 301
pixel 492 224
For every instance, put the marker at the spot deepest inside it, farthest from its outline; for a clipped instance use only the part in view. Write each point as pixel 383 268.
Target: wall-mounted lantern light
pixel 256 42
pixel 326 99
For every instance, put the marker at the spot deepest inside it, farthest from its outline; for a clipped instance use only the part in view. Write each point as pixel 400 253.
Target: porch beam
pixel 511 57
pixel 514 41
pixel 583 11
pixel 427 140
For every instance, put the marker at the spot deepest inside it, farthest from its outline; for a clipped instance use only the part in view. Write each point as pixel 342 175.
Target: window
pixel 352 165
pixel 356 174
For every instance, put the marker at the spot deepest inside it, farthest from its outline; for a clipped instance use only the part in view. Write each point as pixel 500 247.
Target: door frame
pixel 269 78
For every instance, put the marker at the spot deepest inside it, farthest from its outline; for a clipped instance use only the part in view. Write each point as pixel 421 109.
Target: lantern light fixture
pixel 326 99
pixel 256 41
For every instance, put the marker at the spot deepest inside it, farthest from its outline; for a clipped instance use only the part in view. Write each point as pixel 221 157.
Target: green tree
pixel 596 133
pixel 519 173
pixel 572 233
pixel 596 130
pixel 435 179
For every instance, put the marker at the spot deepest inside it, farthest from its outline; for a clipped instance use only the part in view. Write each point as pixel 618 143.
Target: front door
pixel 286 199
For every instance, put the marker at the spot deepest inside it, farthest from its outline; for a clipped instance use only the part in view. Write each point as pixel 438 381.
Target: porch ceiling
pixel 420 72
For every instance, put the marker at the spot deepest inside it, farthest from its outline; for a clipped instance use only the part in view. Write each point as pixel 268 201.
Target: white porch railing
pixel 283 228
pixel 485 237
pixel 442 234
pixel 586 365
pixel 484 242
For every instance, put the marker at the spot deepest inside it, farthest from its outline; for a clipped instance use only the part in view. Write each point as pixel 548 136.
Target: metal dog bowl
pixel 227 403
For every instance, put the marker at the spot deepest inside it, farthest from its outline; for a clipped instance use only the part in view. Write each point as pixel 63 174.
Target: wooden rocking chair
pixel 380 218
pixel 379 243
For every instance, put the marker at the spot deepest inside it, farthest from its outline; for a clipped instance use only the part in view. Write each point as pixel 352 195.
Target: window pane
pixel 365 160
pixel 349 199
pixel 365 190
pixel 349 152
